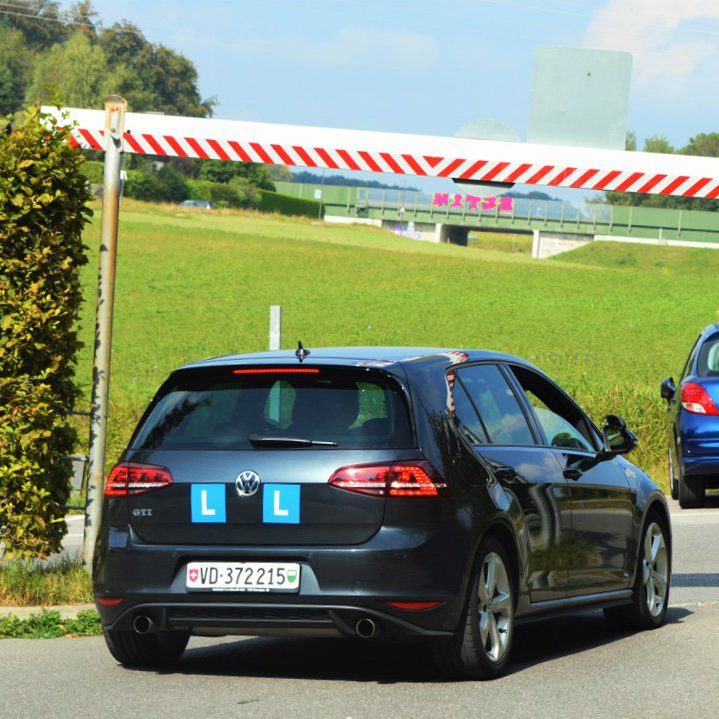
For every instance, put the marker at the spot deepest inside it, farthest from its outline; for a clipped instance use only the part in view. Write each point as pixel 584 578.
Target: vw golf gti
pixel 383 493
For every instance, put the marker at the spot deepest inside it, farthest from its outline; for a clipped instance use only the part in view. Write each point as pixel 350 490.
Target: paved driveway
pixel 576 667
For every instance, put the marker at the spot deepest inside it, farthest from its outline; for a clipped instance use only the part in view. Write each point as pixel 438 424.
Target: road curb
pixel 66 611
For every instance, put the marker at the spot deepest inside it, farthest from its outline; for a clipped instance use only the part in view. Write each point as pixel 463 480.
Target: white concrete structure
pixel 547 243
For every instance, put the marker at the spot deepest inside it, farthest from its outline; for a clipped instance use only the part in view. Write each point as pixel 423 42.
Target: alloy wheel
pixel 655 569
pixel 494 607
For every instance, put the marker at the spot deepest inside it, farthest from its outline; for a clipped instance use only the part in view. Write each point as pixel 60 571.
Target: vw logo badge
pixel 247 483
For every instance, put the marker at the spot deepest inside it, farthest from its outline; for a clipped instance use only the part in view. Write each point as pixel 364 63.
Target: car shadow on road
pixel 696 579
pixel 712 502
pixel 572 634
pixel 363 661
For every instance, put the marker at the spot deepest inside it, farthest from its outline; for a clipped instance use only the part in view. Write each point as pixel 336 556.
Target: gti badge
pixel 247 483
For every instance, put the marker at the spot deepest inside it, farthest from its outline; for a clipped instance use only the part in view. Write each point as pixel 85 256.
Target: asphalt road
pixel 72 542
pixel 575 667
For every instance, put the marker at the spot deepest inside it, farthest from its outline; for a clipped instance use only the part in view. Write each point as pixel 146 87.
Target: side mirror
pixel 668 392
pixel 618 438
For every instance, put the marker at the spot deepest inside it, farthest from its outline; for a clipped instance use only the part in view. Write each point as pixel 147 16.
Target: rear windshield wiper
pixel 257 441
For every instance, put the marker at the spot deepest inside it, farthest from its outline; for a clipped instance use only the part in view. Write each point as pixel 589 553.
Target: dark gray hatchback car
pixel 378 494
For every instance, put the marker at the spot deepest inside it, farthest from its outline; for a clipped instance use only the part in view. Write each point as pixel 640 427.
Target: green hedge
pixel 43 196
pixel 167 185
pixel 286 205
pixel 94 171
pixel 236 193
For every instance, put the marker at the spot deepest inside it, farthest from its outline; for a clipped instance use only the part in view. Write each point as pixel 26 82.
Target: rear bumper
pixel 250 618
pixel 338 586
pixel 704 466
pixel 699 446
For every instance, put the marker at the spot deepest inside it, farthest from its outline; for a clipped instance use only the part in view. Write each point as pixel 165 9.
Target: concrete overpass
pixel 556 226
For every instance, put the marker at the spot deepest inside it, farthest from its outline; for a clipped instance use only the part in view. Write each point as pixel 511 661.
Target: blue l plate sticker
pixel 281 504
pixel 207 502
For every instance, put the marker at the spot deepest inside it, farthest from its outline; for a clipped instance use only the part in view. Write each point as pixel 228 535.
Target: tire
pixel 673 483
pixel 482 643
pixel 146 650
pixel 691 492
pixel 650 599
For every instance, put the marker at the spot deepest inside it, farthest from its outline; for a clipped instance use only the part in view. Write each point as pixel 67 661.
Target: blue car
pixel 694 422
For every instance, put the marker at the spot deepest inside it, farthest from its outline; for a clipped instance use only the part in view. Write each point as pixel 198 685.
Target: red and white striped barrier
pixel 384 152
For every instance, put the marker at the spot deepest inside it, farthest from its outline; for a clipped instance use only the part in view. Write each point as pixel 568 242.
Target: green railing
pixel 525 215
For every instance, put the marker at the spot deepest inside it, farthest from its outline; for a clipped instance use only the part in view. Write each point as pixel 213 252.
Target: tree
pixel 167 185
pixel 704 144
pixel 658 143
pixel 151 77
pixel 84 18
pixel 312 178
pixel 280 173
pixel 217 170
pixel 75 73
pixel 39 21
pixel 174 183
pixel 8 98
pixel 223 171
pixel 43 211
pixel 15 70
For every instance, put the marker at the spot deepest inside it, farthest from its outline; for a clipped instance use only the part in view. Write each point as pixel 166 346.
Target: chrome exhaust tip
pixel 142 624
pixel 366 628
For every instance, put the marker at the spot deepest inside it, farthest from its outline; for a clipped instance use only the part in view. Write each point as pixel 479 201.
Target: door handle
pixel 572 473
pixel 505 474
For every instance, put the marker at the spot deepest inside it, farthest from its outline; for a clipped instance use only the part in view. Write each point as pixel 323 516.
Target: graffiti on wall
pixel 473 202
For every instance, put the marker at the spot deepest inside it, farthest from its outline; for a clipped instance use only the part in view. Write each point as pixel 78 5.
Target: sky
pixel 432 66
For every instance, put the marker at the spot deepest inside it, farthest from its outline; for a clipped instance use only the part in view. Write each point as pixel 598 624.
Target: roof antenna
pixel 301 352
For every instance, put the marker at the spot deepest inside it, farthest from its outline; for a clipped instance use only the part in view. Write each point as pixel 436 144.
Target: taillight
pixel 129 479
pixel 696 399
pixel 398 479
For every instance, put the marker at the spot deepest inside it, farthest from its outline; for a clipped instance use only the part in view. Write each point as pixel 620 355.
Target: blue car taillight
pixel 696 399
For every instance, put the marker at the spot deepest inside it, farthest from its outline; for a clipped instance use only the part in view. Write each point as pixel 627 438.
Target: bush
pixel 249 194
pixel 167 185
pixel 94 171
pixel 174 184
pixel 199 189
pixel 238 193
pixel 42 213
pixel 142 185
pixel 50 625
pixel 286 205
pixel 223 172
pixel 224 195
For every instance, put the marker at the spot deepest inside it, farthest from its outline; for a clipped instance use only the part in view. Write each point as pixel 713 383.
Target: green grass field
pixel 608 321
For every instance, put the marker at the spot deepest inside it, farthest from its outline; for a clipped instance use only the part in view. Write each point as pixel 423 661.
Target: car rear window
pixel 221 408
pixel 708 364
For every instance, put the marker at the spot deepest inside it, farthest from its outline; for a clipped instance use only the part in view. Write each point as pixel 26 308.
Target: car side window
pixel 499 411
pixel 468 418
pixel 564 425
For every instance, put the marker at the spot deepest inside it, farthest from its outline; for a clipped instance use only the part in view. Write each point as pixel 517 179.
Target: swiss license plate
pixel 243 576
